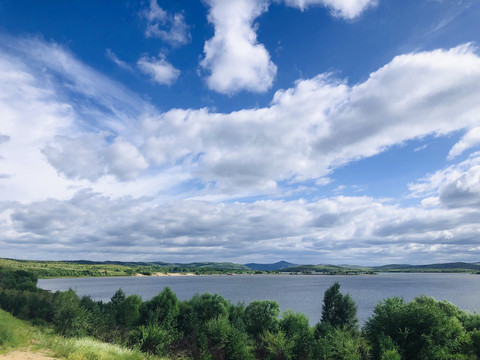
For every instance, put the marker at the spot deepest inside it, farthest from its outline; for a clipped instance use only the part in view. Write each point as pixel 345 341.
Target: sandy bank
pixel 168 274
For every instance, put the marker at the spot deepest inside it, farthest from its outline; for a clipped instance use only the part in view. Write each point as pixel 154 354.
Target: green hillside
pixel 327 270
pixel 444 267
pixel 84 268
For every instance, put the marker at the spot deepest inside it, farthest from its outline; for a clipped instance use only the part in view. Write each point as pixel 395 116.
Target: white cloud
pixel 154 13
pixel 124 159
pixel 45 133
pixel 338 229
pixel 161 71
pixel 468 141
pixel 30 117
pixel 234 60
pixel 78 158
pixel 233 57
pixel 253 150
pixel 413 96
pixel 457 186
pixel 170 28
pixel 348 9
pixel 120 63
pixel 122 147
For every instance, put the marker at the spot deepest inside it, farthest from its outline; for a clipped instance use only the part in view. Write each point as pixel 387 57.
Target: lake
pixel 300 293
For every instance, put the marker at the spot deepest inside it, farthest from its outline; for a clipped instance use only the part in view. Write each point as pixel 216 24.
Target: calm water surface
pixel 300 293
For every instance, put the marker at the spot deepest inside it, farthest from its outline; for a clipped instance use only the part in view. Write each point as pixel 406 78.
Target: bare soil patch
pixel 25 355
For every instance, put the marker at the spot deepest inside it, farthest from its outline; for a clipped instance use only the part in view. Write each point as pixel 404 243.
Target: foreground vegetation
pixel 17 334
pixel 210 327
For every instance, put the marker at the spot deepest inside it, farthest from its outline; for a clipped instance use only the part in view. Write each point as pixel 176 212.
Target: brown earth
pixel 25 355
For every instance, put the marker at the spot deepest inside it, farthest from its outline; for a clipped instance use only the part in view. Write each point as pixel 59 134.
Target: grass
pixel 90 349
pixel 14 333
pixel 19 335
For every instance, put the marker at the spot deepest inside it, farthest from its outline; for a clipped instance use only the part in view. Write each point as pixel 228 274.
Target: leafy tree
pixel 475 340
pixel 240 346
pixel 18 279
pixel 391 354
pixel 297 329
pixel 261 316
pixel 195 314
pixel 208 306
pixel 277 345
pixel 128 311
pixel 422 329
pixel 117 298
pixel 338 344
pixel 237 315
pixel 69 318
pixel 338 310
pixel 162 309
pixel 228 341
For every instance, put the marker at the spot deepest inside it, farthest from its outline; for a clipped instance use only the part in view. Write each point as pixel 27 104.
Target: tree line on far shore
pixel 210 327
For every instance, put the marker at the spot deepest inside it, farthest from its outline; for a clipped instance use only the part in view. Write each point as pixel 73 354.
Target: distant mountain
pixel 270 267
pixel 439 267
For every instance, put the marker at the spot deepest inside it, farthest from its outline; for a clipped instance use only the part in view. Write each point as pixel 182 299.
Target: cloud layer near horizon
pixel 107 171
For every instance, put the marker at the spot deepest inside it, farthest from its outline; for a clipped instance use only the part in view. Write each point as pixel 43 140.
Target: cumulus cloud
pixel 77 158
pixel 124 159
pixel 413 96
pixel 305 133
pixel 161 71
pixel 233 58
pixel 91 157
pixel 457 186
pixel 348 9
pixel 171 28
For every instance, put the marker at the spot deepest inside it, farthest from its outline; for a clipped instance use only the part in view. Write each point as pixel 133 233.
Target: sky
pixel 311 131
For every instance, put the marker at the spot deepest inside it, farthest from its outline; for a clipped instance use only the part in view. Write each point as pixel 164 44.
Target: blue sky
pixel 313 131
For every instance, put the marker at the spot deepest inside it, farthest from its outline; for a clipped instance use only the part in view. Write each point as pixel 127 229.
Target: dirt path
pixel 25 355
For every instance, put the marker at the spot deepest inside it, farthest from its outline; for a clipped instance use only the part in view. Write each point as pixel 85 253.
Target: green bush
pixel 391 355
pixel 277 346
pixel 422 329
pixel 227 340
pixel 338 344
pixel 153 339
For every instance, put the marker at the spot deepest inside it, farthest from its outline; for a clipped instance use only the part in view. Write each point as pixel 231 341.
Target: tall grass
pixel 89 349
pixel 15 334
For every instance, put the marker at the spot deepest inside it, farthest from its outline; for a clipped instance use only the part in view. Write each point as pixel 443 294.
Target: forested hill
pixel 452 267
pixel 86 268
pixel 270 267
pixel 221 266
